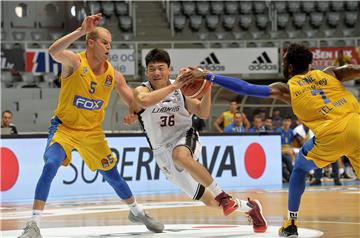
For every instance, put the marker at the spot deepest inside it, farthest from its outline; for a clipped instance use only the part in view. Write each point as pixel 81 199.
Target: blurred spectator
pixel 16 76
pixel 226 117
pixel 287 134
pixel 198 123
pixel 6 122
pixel 258 125
pixel 238 124
pixel 261 113
pixel 342 59
pixel 335 174
pixel 276 118
pixel 287 151
pixel 268 124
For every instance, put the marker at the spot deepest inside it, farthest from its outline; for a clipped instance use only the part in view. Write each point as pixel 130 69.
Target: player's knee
pixel 113 179
pixel 50 169
pixel 180 158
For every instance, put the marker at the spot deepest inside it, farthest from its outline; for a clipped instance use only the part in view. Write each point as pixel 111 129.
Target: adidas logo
pixel 212 63
pixel 262 62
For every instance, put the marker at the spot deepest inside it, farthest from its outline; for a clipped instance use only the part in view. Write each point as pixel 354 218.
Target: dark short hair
pixel 258 116
pixel 157 55
pixel 6 111
pixel 287 117
pixel 299 57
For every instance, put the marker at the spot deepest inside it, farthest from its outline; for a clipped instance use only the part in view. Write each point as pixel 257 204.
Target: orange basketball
pixel 197 88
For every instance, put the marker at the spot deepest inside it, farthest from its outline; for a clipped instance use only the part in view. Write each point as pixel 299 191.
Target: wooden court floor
pixel 333 210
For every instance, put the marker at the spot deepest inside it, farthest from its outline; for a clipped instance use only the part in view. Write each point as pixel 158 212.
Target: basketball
pixel 196 89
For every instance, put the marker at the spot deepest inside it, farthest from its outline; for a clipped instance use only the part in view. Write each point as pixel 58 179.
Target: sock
pixel 243 205
pixel 292 215
pixel 214 188
pixel 136 209
pixel 36 215
pixel 341 170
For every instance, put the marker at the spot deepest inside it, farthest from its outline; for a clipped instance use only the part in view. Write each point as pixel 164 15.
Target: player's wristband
pixel 239 86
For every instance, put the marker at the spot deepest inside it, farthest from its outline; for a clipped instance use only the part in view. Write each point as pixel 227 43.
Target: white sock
pixel 214 188
pixel 243 205
pixel 136 209
pixel 341 170
pixel 36 215
pixel 292 215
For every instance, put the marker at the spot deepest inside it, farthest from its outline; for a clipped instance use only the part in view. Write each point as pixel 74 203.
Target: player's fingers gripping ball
pixel 196 88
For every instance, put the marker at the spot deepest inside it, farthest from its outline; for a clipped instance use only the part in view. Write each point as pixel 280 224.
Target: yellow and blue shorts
pixel 91 145
pixel 327 149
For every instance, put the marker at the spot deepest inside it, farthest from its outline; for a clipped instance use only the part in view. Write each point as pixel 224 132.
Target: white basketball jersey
pixel 166 120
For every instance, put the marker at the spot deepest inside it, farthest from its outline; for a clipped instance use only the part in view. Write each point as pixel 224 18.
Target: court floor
pixel 326 211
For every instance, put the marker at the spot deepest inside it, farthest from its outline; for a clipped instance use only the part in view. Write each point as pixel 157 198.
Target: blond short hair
pixel 94 34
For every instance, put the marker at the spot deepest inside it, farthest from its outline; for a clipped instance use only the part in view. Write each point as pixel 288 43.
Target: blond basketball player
pixel 165 115
pixel 322 103
pixel 86 83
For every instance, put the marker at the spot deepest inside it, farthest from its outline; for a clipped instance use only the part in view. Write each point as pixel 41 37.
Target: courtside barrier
pixel 237 162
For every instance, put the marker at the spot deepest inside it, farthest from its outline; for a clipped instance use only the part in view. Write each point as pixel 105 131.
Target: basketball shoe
pixel 150 223
pixel 227 203
pixel 31 231
pixel 289 229
pixel 256 217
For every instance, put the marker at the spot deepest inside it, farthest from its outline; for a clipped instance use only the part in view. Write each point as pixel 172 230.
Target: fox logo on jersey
pixel 87 104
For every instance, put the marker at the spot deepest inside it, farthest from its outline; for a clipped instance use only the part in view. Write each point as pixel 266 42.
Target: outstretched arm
pixel 276 90
pixel 344 73
pixel 280 91
pixel 239 86
pixel 145 98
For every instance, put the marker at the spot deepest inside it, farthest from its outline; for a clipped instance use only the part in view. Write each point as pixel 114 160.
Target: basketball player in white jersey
pixel 165 115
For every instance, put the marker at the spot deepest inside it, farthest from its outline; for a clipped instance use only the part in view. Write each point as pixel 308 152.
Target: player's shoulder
pixel 144 87
pixel 328 71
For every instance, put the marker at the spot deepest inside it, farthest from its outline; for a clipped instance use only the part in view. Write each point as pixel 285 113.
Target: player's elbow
pixel 143 101
pixel 55 54
pixel 52 51
pixel 203 115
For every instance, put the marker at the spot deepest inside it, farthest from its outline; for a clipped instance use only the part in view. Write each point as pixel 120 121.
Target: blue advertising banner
pixel 236 163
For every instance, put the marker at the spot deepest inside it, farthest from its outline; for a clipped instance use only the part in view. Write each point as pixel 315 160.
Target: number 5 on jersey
pixel 92 87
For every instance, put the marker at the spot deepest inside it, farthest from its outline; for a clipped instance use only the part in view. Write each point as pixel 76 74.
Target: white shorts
pixel 179 176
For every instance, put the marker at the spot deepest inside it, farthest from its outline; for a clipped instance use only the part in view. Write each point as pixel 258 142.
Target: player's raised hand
pixel 184 77
pixel 90 22
pixel 130 117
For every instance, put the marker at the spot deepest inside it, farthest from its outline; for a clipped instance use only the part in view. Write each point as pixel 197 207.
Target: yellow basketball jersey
pixel 321 102
pixel 84 96
pixel 228 118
